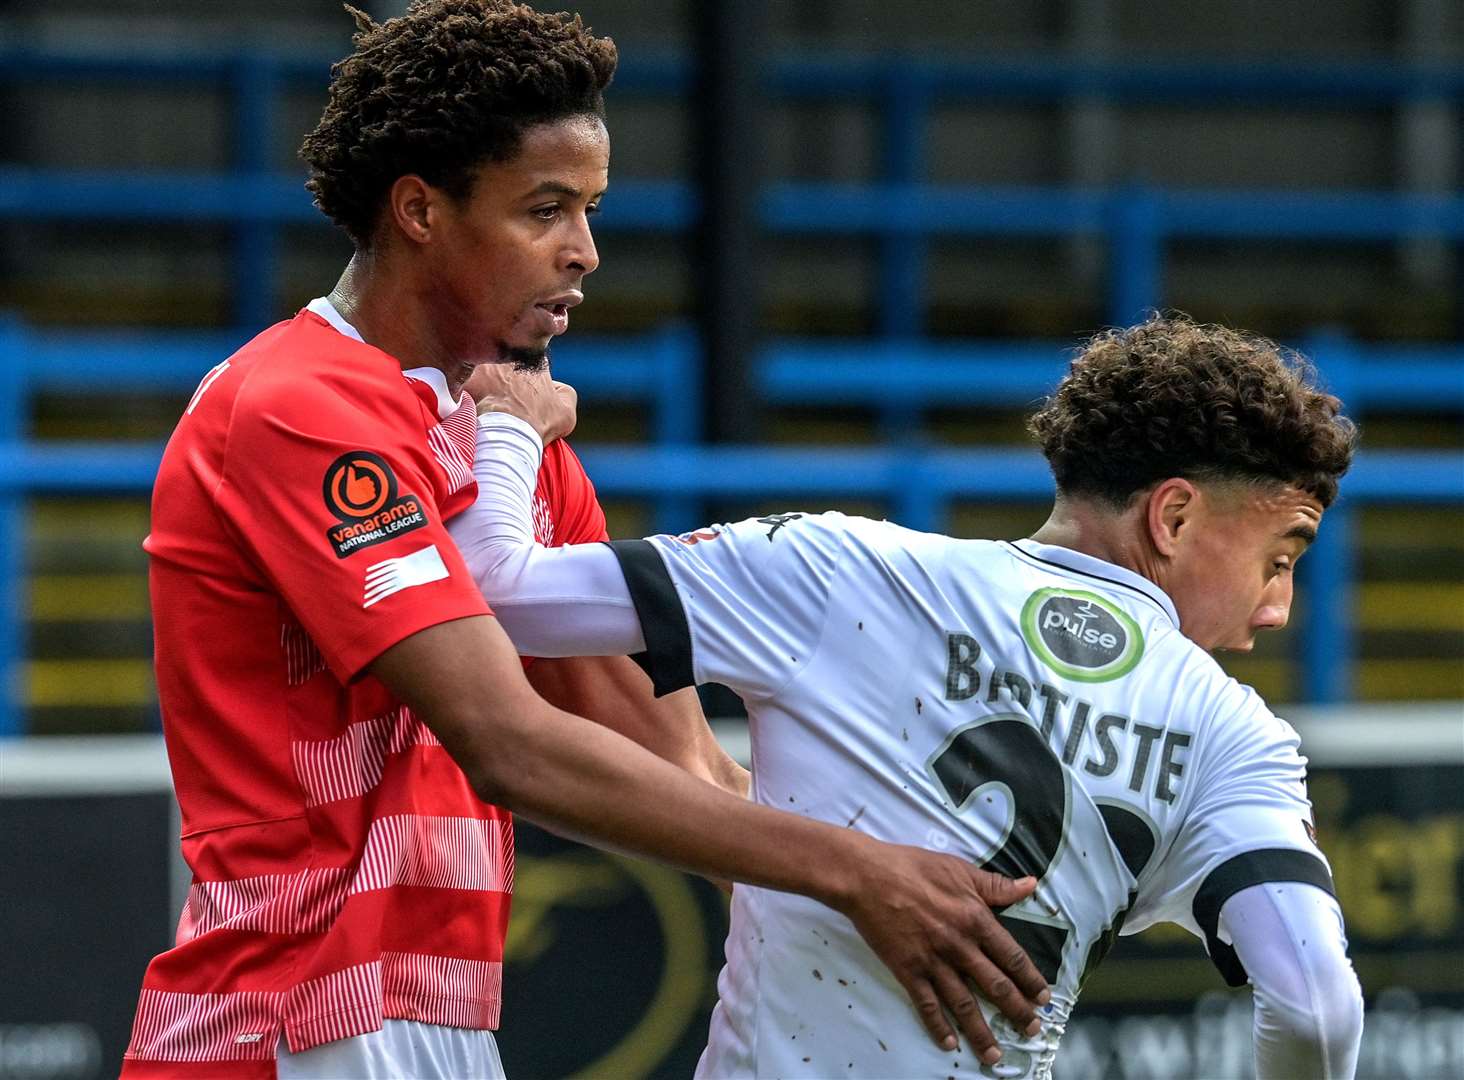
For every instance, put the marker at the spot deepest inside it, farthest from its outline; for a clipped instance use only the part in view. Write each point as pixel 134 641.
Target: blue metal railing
pixel 897 209
pixel 896 206
pixel 918 483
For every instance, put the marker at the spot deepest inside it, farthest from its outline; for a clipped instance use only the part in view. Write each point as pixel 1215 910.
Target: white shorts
pixel 401 1050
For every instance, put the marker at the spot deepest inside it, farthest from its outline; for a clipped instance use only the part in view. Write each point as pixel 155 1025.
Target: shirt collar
pixel 1089 566
pixel 431 376
pixel 434 378
pixel 322 306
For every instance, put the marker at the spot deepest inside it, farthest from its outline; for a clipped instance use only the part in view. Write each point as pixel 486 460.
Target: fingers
pixel 532 396
pixel 927 1007
pixel 1000 991
pixel 567 415
pixel 957 997
pixel 487 381
pixel 1016 968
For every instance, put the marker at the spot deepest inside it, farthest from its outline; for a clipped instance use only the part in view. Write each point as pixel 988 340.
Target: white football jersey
pixel 1032 709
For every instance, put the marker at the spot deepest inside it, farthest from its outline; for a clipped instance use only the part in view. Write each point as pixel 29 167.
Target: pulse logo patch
pixel 393 575
pixel 1081 635
pixel 361 492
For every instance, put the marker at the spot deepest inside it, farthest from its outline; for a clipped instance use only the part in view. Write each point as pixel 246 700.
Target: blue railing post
pixel 13 370
pixel 902 254
pixel 255 86
pixel 678 403
pixel 919 496
pixel 1326 639
pixel 1135 255
pixel 1327 642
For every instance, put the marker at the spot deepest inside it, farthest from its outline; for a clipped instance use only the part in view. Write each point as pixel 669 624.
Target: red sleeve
pixel 332 491
pixel 574 513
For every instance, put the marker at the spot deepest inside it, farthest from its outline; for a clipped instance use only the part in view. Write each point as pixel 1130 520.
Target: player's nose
pixel 580 252
pixel 1275 609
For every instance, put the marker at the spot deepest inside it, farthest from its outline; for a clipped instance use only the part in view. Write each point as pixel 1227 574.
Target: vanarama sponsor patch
pixel 1081 635
pixel 361 492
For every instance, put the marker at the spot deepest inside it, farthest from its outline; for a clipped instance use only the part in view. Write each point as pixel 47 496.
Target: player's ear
pixel 1169 512
pixel 411 206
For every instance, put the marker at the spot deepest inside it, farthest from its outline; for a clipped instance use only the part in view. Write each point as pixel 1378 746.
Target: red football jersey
pixel 566 510
pixel 344 871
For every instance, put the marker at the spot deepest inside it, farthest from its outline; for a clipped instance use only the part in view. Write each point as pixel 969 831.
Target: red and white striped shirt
pixel 344 872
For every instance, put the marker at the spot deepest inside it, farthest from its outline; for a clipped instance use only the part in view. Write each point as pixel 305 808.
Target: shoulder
pixel 1235 712
pixel 1244 732
pixel 787 537
pixel 772 551
pixel 304 372
pixel 834 530
pixel 1240 743
pixel 1192 678
pixel 561 456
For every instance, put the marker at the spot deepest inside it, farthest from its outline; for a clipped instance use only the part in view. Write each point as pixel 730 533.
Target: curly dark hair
pixel 445 88
pixel 1171 397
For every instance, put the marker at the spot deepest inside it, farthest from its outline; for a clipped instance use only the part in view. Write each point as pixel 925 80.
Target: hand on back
pixel 928 917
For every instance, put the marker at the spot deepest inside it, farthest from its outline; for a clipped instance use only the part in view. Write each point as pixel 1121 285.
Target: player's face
pixel 1233 574
pixel 515 251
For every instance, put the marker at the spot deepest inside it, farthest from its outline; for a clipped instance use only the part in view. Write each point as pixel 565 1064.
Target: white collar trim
pixel 434 378
pixel 322 306
pixel 1099 568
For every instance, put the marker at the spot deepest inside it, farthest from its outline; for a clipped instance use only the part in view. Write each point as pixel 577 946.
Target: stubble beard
pixel 525 359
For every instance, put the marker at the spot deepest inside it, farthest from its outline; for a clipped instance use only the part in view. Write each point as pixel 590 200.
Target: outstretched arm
pixel 581 614
pixel 1308 1004
pixel 567 601
pixel 924 914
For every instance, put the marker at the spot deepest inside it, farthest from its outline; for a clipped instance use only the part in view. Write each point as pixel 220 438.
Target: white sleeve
pixel 1248 822
pixel 568 601
pixel 743 605
pixel 1308 1004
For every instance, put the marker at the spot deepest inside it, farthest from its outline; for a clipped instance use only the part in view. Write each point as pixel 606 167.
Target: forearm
pixel 587 782
pixel 1308 1005
pixel 553 602
pixel 615 693
pixel 648 810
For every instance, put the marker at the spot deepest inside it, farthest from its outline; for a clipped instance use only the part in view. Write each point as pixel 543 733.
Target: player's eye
pixel 592 209
pixel 546 213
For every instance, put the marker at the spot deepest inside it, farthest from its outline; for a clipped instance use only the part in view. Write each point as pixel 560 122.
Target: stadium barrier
pixel 92 827
pixel 917 483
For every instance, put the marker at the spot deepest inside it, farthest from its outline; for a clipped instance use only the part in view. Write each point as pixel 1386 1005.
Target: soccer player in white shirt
pixel 1047 706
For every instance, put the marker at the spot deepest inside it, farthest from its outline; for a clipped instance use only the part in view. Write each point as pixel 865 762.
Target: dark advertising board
pixel 612 962
pixel 86 901
pixel 1156 1009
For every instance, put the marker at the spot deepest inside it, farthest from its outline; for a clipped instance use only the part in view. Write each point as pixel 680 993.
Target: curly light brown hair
pixel 447 87
pixel 1172 397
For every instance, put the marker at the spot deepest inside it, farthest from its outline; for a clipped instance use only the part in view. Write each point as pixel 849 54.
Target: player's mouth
pixel 553 313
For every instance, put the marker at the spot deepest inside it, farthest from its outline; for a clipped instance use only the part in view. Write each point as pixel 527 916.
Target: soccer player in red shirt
pixel 347 725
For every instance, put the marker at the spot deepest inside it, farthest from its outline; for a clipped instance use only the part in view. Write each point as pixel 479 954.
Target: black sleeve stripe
pixel 667 659
pixel 1241 872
